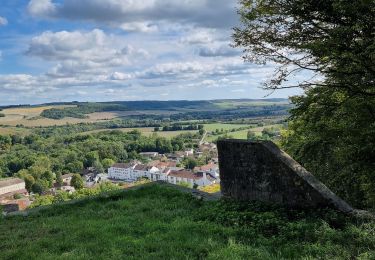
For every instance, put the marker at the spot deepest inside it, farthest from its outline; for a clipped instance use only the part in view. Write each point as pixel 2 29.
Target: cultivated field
pixel 242 134
pixel 30 117
pixel 145 131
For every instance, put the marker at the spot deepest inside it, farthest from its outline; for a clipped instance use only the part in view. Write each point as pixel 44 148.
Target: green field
pixel 158 222
pixel 145 131
pixel 214 126
pixel 242 134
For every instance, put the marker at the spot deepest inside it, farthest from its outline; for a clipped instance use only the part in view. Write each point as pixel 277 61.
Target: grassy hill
pixel 157 221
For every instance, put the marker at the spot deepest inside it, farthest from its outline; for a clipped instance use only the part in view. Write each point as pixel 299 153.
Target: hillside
pixel 161 222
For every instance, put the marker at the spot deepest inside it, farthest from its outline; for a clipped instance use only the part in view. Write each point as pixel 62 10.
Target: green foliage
pixel 189 163
pixel 332 125
pixel 40 186
pixel 77 182
pixel 59 179
pixel 160 222
pixel 61 196
pixel 107 163
pixel 2 115
pixel 336 144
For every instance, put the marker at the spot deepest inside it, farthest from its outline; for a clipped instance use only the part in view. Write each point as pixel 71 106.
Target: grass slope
pixel 158 222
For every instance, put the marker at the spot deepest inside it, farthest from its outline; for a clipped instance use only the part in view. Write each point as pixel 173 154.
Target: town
pixel 153 167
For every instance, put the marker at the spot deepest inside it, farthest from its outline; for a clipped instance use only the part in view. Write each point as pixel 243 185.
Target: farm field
pixel 145 131
pixel 219 126
pixel 14 130
pixel 243 133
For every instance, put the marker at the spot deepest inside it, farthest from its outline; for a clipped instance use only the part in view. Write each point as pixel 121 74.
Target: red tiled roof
pixel 141 167
pixel 123 165
pixel 206 167
pixel 184 174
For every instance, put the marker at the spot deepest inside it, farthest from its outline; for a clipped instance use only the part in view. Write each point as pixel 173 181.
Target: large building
pixel 122 171
pixel 131 172
pixel 185 176
pixel 10 186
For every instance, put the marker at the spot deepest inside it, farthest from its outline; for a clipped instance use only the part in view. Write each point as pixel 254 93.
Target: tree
pixel 190 163
pixel 77 181
pixel 59 179
pixel 98 166
pixel 91 157
pixel 29 182
pixel 40 186
pixel 107 163
pixel 331 129
pixel 333 38
pixel 251 135
pixel 49 177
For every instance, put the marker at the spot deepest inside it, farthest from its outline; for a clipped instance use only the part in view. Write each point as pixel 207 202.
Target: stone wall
pixel 261 171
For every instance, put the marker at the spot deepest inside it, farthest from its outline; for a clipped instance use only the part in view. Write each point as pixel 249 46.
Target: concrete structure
pixel 10 186
pixel 67 178
pixel 261 171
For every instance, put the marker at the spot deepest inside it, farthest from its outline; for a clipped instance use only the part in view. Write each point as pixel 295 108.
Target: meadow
pixel 147 131
pixel 158 222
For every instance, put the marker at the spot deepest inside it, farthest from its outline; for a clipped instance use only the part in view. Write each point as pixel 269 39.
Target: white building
pixel 210 168
pixel 149 155
pixel 11 186
pixel 184 176
pixel 131 172
pixel 122 171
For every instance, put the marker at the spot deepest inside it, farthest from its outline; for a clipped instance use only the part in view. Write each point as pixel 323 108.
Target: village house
pixel 185 176
pixel 210 168
pixel 149 155
pixel 158 171
pixel 11 186
pixel 146 171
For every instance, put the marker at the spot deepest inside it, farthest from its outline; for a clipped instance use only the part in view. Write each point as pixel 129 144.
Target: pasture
pixel 145 131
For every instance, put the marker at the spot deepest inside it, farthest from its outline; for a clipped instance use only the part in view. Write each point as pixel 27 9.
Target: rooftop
pixel 10 181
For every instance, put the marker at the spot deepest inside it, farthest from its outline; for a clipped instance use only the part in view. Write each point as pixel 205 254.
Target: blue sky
pixel 102 50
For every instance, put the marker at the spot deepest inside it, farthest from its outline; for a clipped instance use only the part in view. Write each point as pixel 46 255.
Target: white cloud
pixel 41 8
pixel 204 13
pixel 215 51
pixel 79 52
pixel 3 21
pixel 120 76
pixel 145 27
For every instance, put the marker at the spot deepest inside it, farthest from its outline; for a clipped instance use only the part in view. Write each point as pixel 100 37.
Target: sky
pixel 107 50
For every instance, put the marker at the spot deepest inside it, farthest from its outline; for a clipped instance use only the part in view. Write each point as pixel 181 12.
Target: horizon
pixel 149 100
pixel 63 50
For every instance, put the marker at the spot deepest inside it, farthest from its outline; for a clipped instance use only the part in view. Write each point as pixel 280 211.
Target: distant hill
pixel 81 109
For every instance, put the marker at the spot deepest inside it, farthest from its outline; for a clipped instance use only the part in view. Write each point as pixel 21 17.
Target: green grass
pixel 147 131
pixel 158 222
pixel 242 134
pixel 213 127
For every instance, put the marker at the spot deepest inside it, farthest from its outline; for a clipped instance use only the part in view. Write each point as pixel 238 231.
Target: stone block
pixel 259 170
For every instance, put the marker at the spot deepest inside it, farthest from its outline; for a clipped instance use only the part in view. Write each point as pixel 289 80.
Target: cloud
pixel 223 50
pixel 203 13
pixel 144 27
pixel 120 76
pixel 42 8
pixel 3 21
pixel 82 52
